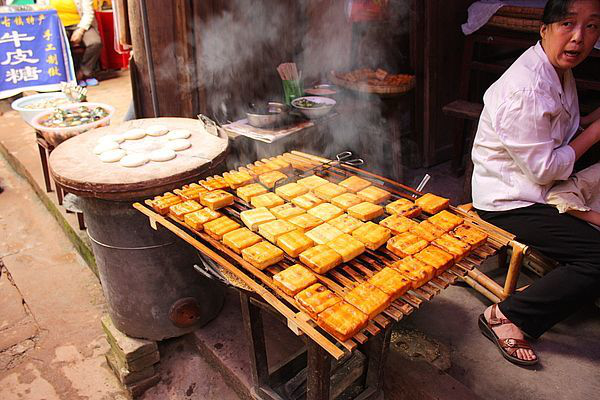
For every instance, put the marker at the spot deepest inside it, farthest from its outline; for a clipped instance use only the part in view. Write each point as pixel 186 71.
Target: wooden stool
pixel 464 111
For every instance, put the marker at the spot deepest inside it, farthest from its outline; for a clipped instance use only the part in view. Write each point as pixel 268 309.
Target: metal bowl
pixel 274 114
pixel 326 104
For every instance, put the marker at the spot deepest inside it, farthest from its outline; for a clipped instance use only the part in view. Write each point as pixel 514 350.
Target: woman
pixel 526 140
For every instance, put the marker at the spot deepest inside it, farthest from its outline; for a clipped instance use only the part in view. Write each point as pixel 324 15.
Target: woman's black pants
pixel 573 243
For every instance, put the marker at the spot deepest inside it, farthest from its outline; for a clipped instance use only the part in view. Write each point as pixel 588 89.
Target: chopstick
pixel 288 72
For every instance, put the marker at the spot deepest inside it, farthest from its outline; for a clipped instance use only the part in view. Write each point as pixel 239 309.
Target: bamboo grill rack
pixel 346 276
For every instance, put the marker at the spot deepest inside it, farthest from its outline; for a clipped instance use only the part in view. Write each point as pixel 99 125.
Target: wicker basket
pixel 374 89
pixel 521 12
pixel 515 24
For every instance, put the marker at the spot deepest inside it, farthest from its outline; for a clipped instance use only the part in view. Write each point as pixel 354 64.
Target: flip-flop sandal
pixel 508 347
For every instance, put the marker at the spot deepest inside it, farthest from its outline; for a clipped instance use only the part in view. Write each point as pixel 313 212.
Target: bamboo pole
pixel 514 268
pixel 486 282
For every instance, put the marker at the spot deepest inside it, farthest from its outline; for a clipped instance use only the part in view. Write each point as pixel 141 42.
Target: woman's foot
pixel 507 336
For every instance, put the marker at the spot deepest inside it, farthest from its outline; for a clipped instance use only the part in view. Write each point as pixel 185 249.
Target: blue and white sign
pixel 34 52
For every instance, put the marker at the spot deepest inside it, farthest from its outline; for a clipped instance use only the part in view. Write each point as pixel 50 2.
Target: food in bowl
pixel 314 106
pixel 69 117
pixel 303 102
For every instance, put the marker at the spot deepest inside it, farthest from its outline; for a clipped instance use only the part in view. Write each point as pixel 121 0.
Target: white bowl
pixel 315 112
pixel 29 113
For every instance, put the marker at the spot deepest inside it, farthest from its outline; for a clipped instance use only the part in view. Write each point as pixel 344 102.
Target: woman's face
pixel 569 41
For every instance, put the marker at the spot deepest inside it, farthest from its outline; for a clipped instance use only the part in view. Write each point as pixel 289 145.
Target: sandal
pixel 508 347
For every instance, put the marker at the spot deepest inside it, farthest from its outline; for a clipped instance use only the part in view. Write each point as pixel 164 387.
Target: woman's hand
pixel 586 139
pixel 77 36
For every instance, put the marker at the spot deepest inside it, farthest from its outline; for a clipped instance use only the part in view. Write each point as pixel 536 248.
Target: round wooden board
pixel 75 167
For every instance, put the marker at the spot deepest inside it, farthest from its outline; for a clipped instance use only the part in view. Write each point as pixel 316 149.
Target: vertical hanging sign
pixel 34 52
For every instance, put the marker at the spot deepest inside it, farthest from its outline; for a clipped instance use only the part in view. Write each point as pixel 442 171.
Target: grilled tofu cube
pixel 268 200
pixel 328 191
pixel 325 211
pixel 249 191
pixel 452 245
pixel 161 204
pixel 235 179
pixel 287 211
pixel 320 258
pixel 315 299
pixel 262 254
pixel 270 164
pixel 215 183
pixel 427 231
pixel 445 220
pixel 258 168
pixel 355 184
pixel 190 192
pixel 416 270
pixel 307 201
pixel 403 207
pixel 471 235
pixel 342 320
pixel 272 230
pixel 323 233
pixel 294 243
pixel 216 199
pixel 240 238
pixel 436 257
pixel 294 279
pixel 372 235
pixel 255 217
pixel 365 211
pixel 374 195
pixel 346 223
pixel 391 282
pixel 346 200
pixel 347 247
pixel 406 244
pixel 368 299
pixel 290 191
pixel 179 210
pixel 305 222
pixel 197 219
pixel 269 179
pixel 280 162
pixel 430 203
pixel 398 224
pixel 220 226
pixel 312 182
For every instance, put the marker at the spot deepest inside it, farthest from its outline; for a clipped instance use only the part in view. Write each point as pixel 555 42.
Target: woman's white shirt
pixel 521 145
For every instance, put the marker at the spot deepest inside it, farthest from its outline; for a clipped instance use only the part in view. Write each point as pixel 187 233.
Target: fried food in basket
pixel 368 298
pixel 320 258
pixel 294 242
pixel 436 257
pixel 240 238
pixel 346 200
pixel 355 184
pixel 220 226
pixel 445 220
pixel 272 230
pixel 379 77
pixel 161 204
pixel 398 224
pixel 365 211
pixel 328 191
pixel 346 223
pixel 416 270
pixel 179 210
pixel 294 279
pixel 247 192
pixel 269 179
pixel 374 195
pixel 305 222
pixel 469 234
pixel 427 231
pixel 316 299
pixel 406 244
pixel 430 203
pixel 342 320
pixel 255 217
pixel 262 254
pixel 452 245
pixel 346 246
pixel 287 211
pixel 403 207
pixel 235 179
pixel 307 201
pixel 216 199
pixel 197 219
pixel 190 192
pixel 268 200
pixel 325 211
pixel 372 235
pixel 214 183
pixel 323 233
pixel 312 182
pixel 391 282
pixel 290 191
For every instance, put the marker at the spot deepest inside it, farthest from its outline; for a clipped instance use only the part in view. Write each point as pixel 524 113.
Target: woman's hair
pixel 555 11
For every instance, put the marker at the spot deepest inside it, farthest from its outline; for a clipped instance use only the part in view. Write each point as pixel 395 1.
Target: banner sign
pixel 34 52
